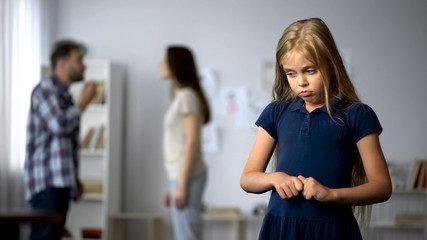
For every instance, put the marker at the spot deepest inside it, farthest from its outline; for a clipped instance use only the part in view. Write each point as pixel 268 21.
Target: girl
pixel 182 127
pixel 328 152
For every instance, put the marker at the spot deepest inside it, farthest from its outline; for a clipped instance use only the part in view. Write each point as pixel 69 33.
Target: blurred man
pixel 51 163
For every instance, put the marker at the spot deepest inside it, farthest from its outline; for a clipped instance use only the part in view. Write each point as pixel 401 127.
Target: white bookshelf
pixel 383 224
pixel 104 164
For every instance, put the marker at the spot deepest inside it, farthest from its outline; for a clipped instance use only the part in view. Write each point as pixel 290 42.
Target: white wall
pixel 388 54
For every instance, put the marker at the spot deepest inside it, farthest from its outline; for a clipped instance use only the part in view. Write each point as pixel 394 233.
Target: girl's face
pixel 304 79
pixel 165 72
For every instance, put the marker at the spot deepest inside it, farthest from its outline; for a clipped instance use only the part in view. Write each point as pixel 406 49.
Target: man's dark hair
pixel 62 50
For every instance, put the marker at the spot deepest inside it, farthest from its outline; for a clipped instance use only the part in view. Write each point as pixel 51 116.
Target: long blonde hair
pixel 313 39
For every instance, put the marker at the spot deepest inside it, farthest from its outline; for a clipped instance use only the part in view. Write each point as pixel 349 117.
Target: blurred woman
pixel 185 168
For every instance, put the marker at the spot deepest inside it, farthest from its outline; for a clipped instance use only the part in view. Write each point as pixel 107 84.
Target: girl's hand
pixel 287 186
pixel 180 197
pixel 313 189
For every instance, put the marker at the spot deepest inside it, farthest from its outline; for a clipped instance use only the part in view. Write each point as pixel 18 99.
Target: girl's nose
pixel 302 81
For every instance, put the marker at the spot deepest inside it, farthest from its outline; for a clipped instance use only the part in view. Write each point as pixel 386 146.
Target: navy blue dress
pixel 313 145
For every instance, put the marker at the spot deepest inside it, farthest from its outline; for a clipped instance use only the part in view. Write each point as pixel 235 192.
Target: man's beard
pixel 75 76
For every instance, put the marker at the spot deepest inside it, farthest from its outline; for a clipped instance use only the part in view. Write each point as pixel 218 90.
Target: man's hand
pixel 88 92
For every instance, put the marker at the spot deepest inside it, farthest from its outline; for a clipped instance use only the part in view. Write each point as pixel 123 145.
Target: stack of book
pixel 418 177
pixel 410 219
pixel 94 138
pixel 92 186
pixel 99 97
pixel 228 211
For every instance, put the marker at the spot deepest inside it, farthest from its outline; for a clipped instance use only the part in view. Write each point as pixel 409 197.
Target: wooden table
pixel 11 219
pixel 154 224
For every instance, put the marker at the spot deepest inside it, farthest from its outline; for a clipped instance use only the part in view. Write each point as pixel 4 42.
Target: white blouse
pixel 186 102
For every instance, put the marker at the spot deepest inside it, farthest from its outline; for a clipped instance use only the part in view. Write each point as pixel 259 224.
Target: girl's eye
pixel 290 74
pixel 311 70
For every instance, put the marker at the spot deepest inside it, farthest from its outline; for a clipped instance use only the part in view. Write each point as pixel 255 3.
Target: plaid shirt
pixel 52 139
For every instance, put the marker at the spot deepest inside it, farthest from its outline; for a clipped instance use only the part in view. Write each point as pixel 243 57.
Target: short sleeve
pixel 267 120
pixel 189 102
pixel 363 121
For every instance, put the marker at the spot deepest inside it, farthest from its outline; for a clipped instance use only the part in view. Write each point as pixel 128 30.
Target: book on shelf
pixel 224 211
pixel 87 139
pixel 418 177
pixel 94 138
pixel 97 139
pixel 410 219
pixel 100 141
pixel 92 186
pixel 99 97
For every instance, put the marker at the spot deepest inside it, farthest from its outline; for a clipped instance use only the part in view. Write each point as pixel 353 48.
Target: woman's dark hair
pixel 62 50
pixel 183 67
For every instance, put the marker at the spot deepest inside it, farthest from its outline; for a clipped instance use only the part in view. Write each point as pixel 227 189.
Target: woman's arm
pixel 377 189
pixel 254 179
pixel 192 147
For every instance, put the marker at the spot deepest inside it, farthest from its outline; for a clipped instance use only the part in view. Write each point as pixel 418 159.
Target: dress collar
pixel 298 105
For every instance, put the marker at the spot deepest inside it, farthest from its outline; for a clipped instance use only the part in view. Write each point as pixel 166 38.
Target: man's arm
pixel 59 121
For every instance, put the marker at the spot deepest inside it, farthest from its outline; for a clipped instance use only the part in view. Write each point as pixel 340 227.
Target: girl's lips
pixel 305 93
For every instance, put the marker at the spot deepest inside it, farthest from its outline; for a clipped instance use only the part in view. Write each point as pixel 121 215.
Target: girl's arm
pixel 377 189
pixel 192 146
pixel 254 179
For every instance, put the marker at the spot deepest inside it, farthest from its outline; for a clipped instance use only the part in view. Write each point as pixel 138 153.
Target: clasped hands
pixel 290 186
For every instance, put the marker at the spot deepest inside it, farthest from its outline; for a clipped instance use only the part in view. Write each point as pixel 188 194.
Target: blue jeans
pixel 55 200
pixel 187 222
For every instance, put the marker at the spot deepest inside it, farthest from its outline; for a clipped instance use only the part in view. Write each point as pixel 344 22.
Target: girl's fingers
pixel 299 184
pixel 285 192
pixel 293 187
pixel 294 190
pixel 306 192
pixel 288 192
pixel 308 196
pixel 281 193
